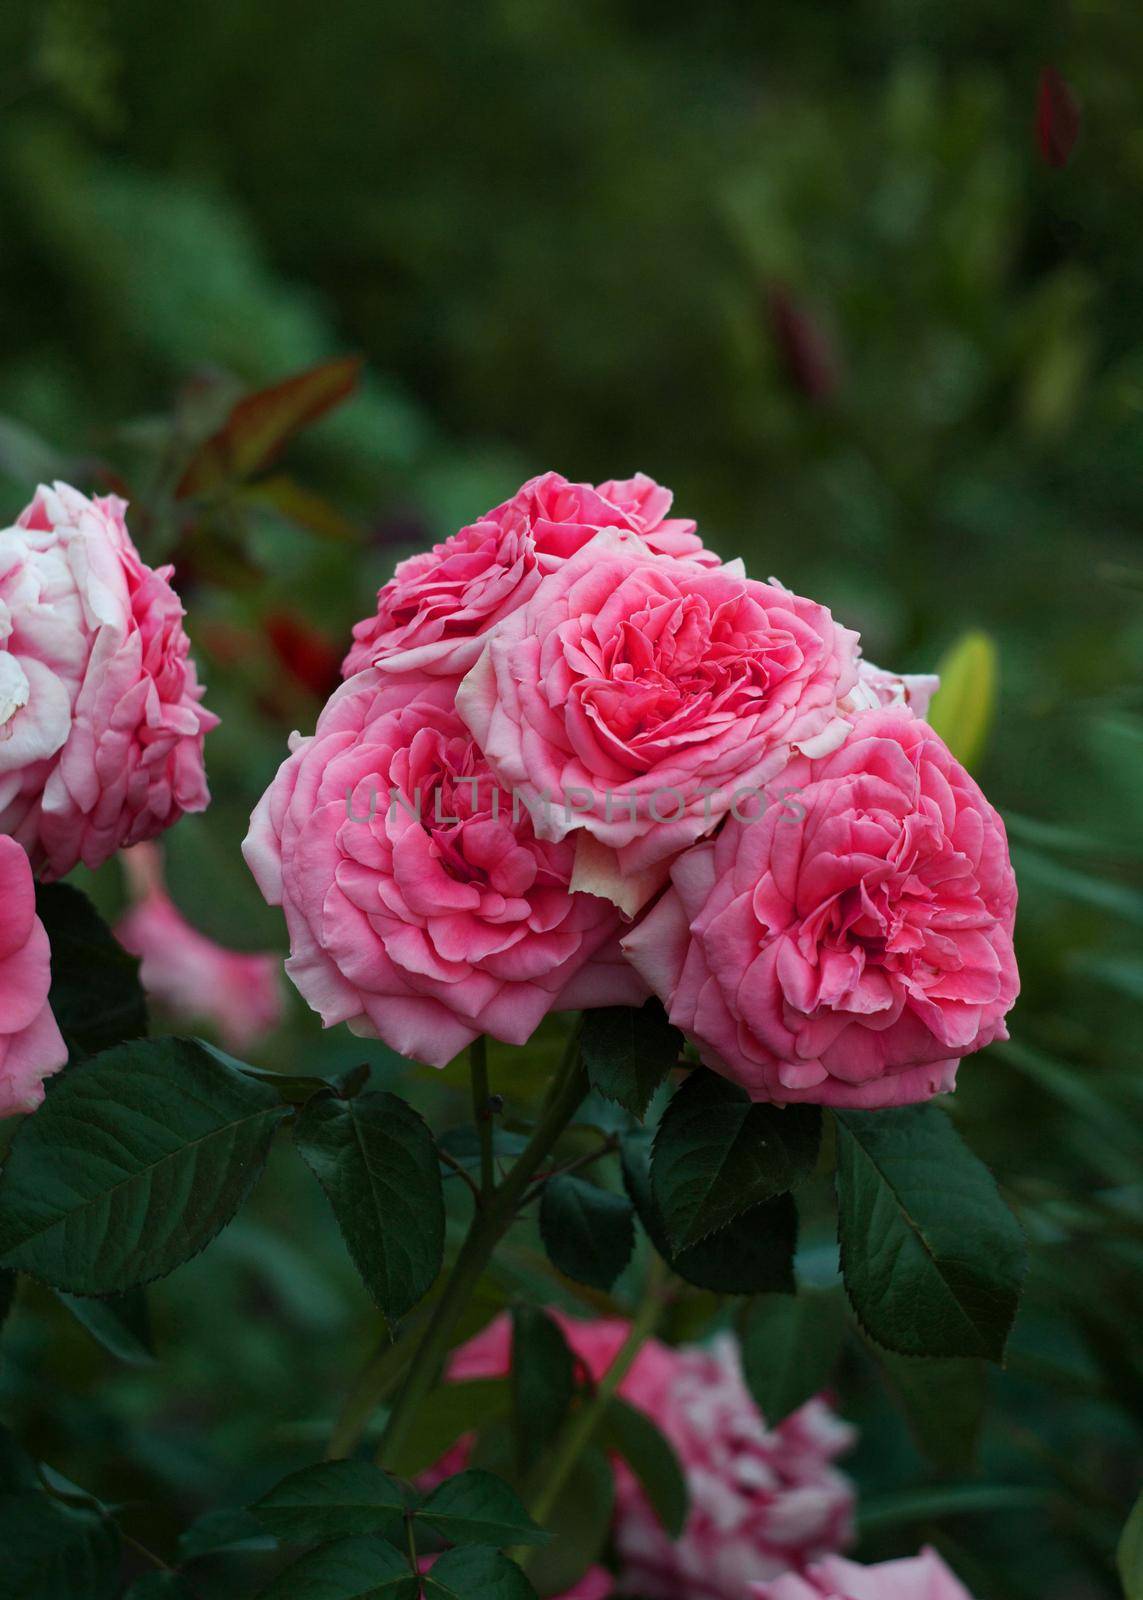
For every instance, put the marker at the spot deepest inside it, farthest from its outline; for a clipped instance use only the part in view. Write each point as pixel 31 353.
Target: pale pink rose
pixel 850 944
pixel 920 1577
pixel 875 688
pixel 636 700
pixel 31 1046
pixel 421 906
pixel 101 729
pixel 762 1499
pixel 239 995
pixel 433 613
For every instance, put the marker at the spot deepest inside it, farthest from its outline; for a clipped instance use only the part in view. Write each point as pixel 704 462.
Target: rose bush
pixel 101 726
pixel 434 611
pixel 31 1046
pixel 643 695
pixel 197 980
pixel 853 941
pixel 921 1577
pixel 421 904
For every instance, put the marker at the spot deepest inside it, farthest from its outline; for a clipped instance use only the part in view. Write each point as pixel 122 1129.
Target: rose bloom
pixel 433 613
pixel 876 688
pixel 238 995
pixel 31 1046
pixel 101 729
pixel 920 1577
pixel 647 696
pixel 762 1499
pixel 422 908
pixel 849 945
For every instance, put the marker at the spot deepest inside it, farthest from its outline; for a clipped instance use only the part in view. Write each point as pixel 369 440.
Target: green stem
pixel 478 1069
pixel 489 1225
pixel 582 1425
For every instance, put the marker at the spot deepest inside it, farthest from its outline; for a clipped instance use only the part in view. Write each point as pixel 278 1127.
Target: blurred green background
pixel 807 264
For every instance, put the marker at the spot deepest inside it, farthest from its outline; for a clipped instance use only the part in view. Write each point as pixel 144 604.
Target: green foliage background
pixel 555 233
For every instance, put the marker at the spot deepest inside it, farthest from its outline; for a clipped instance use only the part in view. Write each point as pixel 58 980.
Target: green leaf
pixel 717 1154
pixel 931 1256
pixel 580 1522
pixel 364 1568
pixel 55 1552
pixel 120 1323
pixel 754 1255
pixel 902 1508
pixel 477 1507
pixel 132 1165
pixel 963 706
pixel 375 1158
pixel 944 1404
pixel 262 424
pixel 229 1528
pixel 790 1344
pixel 96 995
pixel 542 1379
pixel 628 1051
pixel 160 1586
pixel 651 1457
pixel 1129 1555
pixel 476 1574
pixel 448 1413
pixel 588 1232
pixel 332 1500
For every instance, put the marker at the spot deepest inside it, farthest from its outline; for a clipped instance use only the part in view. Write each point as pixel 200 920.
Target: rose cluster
pixel 101 736
pixel 578 759
pixel 769 1510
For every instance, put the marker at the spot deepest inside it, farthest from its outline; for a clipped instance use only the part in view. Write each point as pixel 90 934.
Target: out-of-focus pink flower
pixel 762 1499
pixel 101 729
pixel 239 995
pixel 31 1046
pixel 850 943
pixel 635 700
pixel 921 1577
pixel 433 613
pixel 421 905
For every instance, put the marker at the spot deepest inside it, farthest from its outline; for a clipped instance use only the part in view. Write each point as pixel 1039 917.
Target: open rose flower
pixel 762 1500
pixel 852 942
pixel 421 906
pixel 637 699
pixel 101 729
pixel 238 994
pixel 433 613
pixel 31 1046
pixel 920 1577
pixel 878 689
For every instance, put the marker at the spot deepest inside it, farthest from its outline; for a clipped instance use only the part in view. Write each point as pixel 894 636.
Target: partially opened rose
pixel 101 729
pixel 921 1577
pixel 237 993
pixel 421 906
pixel 433 613
pixel 850 942
pixel 31 1046
pixel 635 699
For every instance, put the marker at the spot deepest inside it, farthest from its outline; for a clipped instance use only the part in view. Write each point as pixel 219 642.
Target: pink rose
pixel 31 1046
pixel 197 980
pixel 877 688
pixel 762 1499
pixel 422 907
pixel 852 942
pixel 637 699
pixel 433 613
pixel 920 1577
pixel 101 729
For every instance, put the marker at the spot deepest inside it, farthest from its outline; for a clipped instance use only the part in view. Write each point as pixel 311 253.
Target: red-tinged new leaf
pixel 260 425
pixel 1057 118
pixel 804 348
